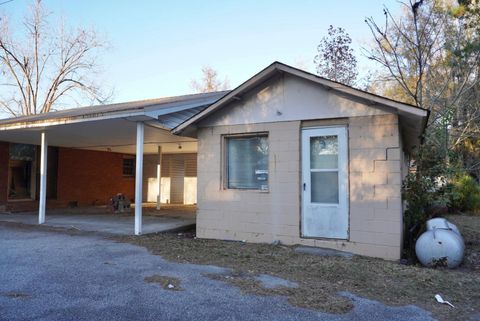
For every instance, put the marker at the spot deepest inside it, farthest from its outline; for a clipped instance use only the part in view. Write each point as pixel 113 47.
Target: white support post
pixel 159 177
pixel 139 178
pixel 43 179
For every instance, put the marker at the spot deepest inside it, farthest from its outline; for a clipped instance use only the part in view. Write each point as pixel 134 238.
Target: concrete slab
pixel 121 224
pixel 323 251
pixel 271 282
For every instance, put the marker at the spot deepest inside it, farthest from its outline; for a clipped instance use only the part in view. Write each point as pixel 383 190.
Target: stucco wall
pixel 288 98
pixel 375 216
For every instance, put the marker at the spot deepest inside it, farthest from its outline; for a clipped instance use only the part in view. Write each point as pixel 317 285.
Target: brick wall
pixel 4 157
pixel 91 177
pixel 375 204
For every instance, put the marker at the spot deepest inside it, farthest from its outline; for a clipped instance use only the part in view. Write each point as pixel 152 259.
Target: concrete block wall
pixel 375 185
pixel 264 216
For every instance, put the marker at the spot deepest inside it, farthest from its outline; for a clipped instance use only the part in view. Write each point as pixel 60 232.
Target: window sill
pixel 248 190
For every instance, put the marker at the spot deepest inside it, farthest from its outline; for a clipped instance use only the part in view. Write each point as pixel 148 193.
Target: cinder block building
pixel 285 156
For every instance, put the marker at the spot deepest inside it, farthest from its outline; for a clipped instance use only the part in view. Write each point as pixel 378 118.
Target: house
pixel 286 156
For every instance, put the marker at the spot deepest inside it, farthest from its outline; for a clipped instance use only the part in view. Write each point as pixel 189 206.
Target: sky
pixel 156 48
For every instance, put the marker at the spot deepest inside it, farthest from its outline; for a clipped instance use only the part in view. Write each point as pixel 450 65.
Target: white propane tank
pixel 440 222
pixel 440 246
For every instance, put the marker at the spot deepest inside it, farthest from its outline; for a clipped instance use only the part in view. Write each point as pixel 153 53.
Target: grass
pixel 166 282
pixel 321 278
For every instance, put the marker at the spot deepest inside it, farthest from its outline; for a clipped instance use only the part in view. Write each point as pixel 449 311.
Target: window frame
pixel 224 171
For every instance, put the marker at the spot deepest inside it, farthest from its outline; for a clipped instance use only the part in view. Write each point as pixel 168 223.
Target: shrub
pixel 419 194
pixel 464 194
pixel 422 189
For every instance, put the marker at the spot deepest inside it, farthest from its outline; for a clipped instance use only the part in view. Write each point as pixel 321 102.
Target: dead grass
pixel 321 278
pixel 166 282
pixel 470 228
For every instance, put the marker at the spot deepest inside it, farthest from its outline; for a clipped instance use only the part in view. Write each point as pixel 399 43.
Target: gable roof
pixel 414 117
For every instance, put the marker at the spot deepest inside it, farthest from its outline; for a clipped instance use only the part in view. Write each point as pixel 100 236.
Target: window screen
pixel 247 162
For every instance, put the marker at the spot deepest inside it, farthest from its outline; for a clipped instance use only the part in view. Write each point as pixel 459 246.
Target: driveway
pixel 122 224
pixel 46 275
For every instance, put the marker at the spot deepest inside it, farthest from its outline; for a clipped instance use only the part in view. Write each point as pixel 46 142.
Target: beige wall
pixel 288 99
pixel 255 216
pixel 184 185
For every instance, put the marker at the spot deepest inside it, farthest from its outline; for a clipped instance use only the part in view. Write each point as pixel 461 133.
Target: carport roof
pixel 169 111
pixel 113 127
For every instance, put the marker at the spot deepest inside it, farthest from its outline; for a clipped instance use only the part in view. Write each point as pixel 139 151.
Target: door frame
pixel 346 168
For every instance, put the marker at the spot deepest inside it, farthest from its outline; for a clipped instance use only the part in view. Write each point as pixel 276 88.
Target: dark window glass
pixel 128 167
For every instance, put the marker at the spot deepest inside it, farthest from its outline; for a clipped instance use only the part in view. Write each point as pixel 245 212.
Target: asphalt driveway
pixel 48 275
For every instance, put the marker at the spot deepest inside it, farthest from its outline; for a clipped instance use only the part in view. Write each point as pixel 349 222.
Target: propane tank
pixel 441 245
pixel 442 223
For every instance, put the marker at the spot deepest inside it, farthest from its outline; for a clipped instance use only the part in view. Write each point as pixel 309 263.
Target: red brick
pixel 91 177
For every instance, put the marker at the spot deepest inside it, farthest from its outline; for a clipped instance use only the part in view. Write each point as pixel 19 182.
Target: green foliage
pixel 418 192
pixel 422 189
pixel 464 194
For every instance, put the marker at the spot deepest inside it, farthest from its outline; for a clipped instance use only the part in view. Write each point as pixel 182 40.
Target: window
pixel 21 172
pixel 128 166
pixel 247 162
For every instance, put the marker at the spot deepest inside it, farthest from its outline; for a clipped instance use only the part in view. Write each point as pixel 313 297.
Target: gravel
pixel 86 277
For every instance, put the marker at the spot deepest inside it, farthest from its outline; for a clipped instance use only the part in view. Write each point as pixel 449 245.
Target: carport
pixel 134 128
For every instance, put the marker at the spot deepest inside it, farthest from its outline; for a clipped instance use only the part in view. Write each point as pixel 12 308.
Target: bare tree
pixel 431 58
pixel 336 59
pixel 209 81
pixel 46 67
pixel 408 46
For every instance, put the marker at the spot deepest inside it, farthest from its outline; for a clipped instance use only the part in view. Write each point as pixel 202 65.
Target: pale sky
pixel 158 47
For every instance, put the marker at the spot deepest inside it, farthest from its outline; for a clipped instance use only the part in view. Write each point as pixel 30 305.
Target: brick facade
pixel 88 177
pixel 91 177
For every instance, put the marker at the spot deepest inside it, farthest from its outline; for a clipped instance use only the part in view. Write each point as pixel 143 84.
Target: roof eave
pixel 76 119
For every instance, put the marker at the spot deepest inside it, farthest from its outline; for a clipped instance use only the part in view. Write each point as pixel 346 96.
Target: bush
pixel 419 192
pixel 422 189
pixel 465 194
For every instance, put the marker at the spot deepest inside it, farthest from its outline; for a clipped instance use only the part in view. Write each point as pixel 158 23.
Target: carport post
pixel 43 178
pixel 159 177
pixel 139 178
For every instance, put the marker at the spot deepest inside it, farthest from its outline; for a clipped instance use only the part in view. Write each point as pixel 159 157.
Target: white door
pixel 325 183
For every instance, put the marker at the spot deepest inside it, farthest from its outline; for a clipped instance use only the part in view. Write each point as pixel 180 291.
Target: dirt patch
pixel 296 296
pixel 166 282
pixel 321 278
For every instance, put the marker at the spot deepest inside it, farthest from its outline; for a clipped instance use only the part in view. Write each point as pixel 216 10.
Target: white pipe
pixel 43 179
pixel 159 178
pixel 139 178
